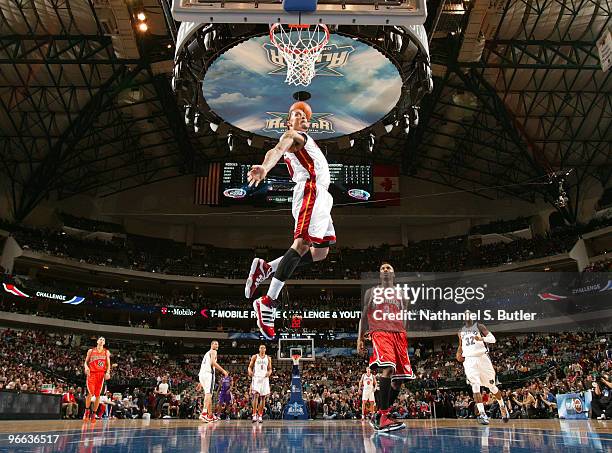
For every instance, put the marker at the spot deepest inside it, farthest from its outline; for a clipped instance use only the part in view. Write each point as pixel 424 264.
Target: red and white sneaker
pixel 260 271
pixel 265 316
pixel 387 424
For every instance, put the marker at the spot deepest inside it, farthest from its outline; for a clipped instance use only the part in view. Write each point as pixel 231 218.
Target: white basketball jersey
pixel 206 364
pixel 261 366
pixel 308 163
pixel 368 383
pixel 470 346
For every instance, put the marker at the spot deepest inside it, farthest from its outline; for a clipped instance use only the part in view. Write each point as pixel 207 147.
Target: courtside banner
pixel 574 406
pixel 46 294
pixel 508 301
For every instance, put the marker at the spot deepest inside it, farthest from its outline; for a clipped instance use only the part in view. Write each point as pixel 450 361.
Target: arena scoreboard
pixel 349 183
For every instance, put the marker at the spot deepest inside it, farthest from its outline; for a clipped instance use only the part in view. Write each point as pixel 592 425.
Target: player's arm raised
pixel 251 365
pixel 86 362
pixel 487 336
pixel 287 141
pixel 214 364
pixel 269 373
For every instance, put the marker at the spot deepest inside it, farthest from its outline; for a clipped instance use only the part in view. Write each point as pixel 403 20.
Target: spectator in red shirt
pixel 69 404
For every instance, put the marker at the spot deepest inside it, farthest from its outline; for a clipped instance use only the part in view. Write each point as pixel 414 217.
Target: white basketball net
pixel 300 46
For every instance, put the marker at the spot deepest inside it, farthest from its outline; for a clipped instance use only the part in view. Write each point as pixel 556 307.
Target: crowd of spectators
pixel 64 354
pixel 600 266
pixel 170 257
pixel 532 370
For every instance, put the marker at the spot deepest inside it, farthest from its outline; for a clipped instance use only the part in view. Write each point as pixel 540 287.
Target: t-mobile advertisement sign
pixel 512 301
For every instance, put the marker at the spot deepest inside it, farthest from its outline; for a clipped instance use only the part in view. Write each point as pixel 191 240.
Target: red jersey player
pixel 97 369
pixel 379 321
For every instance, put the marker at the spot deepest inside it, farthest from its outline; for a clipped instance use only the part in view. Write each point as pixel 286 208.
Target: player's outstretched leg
pixel 299 253
pixel 497 394
pixel 259 272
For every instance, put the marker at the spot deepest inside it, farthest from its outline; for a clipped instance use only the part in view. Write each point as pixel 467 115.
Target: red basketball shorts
pixel 95 381
pixel 391 349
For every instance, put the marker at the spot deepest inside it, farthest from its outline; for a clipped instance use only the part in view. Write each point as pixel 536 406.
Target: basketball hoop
pixel 300 45
pixel 296 358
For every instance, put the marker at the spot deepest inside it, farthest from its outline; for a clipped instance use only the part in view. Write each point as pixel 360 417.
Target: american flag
pixel 206 188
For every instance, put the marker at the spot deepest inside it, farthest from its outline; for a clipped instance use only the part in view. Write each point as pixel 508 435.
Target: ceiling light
pixel 141 16
pixel 143 27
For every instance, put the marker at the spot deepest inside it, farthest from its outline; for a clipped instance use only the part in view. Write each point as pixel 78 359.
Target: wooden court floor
pixel 172 435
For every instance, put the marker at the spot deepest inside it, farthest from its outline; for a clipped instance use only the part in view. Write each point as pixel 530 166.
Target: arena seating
pixel 170 257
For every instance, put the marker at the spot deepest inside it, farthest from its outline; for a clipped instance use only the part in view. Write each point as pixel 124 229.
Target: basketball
pixel 303 106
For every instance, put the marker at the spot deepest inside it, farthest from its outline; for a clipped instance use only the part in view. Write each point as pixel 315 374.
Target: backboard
pixel 331 12
pixel 289 346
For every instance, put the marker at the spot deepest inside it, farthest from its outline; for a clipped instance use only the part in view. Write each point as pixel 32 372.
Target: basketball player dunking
pixel 311 208
pixel 260 369
pixel 479 371
pixel 97 369
pixel 207 381
pixel 367 384
pixel 390 355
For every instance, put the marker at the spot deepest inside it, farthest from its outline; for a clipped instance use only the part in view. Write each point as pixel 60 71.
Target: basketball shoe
pixel 386 423
pixel 265 316
pixel 260 271
pixel 260 419
pixel 483 419
pixel 87 414
pixel 254 418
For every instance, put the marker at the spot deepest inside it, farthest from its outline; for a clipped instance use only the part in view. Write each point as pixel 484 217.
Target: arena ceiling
pixel 86 103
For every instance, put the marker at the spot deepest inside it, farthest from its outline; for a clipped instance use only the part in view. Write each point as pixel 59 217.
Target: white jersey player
pixel 313 228
pixel 260 369
pixel 368 386
pixel 474 353
pixel 206 377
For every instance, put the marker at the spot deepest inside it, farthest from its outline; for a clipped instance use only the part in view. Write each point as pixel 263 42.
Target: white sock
pixel 481 410
pixel 274 264
pixel 502 405
pixel 275 288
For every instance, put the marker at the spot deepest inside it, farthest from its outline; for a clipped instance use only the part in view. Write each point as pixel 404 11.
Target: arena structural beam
pixel 537 54
pixel 48 174
pixel 59 49
pixel 175 121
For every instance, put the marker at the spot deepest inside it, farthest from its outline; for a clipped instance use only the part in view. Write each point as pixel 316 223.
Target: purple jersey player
pixel 225 396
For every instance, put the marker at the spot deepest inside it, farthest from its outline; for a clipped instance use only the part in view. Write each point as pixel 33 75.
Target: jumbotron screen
pixel 349 184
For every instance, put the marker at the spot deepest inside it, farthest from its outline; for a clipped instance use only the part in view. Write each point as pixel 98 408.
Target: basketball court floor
pixel 281 436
